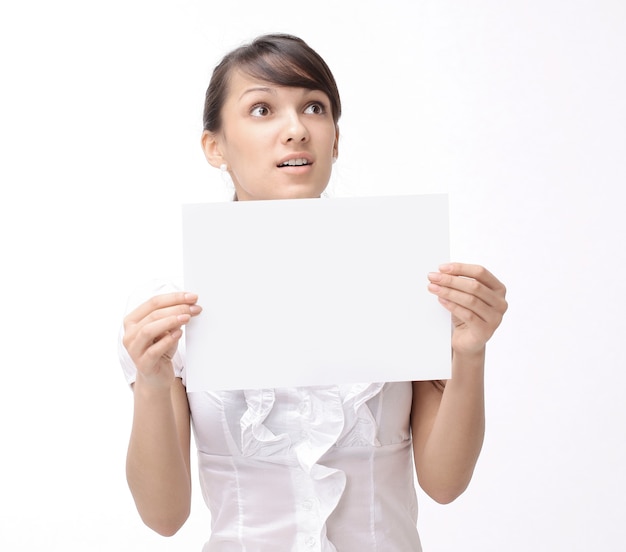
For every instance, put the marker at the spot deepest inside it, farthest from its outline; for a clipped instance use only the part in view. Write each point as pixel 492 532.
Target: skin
pixel 448 428
pixel 263 125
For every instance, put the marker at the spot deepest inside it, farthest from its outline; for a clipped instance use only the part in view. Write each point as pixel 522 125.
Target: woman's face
pixel 278 142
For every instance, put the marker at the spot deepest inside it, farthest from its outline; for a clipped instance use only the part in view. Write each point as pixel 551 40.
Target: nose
pixel 295 130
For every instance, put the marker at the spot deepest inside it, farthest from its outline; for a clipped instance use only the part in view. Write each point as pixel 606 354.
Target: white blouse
pixel 325 468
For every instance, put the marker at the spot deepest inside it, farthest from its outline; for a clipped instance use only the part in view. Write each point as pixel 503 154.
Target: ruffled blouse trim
pixel 256 438
pixel 360 426
pixel 331 416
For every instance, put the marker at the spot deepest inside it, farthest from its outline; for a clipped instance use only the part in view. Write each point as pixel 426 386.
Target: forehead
pixel 240 82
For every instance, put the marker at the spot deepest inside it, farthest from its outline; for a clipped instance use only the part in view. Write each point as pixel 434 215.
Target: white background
pixel 516 109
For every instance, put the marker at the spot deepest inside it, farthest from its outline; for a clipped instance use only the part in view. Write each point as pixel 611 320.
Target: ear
pixel 211 148
pixel 336 144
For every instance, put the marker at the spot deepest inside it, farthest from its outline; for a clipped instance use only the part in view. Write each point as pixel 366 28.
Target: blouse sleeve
pixel 140 295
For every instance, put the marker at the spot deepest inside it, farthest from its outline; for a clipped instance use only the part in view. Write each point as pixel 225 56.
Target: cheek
pixel 253 143
pixel 332 139
pixel 249 163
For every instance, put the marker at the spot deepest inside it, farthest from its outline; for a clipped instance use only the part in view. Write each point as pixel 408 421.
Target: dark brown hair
pixel 280 59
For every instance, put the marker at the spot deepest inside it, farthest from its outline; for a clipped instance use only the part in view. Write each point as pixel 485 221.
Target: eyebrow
pixel 258 89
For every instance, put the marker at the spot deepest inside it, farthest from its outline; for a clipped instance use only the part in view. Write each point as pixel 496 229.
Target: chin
pixel 298 192
pixel 282 190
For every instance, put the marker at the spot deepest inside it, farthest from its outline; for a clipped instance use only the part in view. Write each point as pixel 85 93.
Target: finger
pixel 176 310
pixel 466 316
pixel 476 272
pixel 440 283
pixel 131 325
pixel 488 306
pixel 162 347
pixel 461 300
pixel 139 338
pixel 475 280
pixel 160 302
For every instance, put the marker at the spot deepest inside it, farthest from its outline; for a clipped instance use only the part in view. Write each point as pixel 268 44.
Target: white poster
pixel 315 291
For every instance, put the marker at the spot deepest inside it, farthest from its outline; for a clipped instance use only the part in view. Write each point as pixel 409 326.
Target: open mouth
pixel 295 163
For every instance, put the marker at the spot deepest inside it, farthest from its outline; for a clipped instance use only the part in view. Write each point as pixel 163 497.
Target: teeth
pixel 294 163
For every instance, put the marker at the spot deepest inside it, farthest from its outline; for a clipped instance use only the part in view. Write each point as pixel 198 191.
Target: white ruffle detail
pixel 256 438
pixel 328 416
pixel 360 427
pixel 325 420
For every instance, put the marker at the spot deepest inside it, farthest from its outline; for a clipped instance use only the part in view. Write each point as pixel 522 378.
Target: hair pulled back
pixel 280 59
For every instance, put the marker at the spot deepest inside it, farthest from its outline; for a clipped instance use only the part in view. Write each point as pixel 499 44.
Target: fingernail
pixel 434 276
pixel 445 267
pixel 190 297
pixel 195 309
pixel 434 288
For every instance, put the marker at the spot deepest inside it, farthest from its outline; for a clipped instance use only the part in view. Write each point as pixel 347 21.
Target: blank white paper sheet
pixel 315 291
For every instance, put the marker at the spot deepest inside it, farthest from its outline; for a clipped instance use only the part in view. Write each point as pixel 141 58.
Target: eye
pixel 260 110
pixel 315 108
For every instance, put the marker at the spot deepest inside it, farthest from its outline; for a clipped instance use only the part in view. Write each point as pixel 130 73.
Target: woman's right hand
pixel 152 332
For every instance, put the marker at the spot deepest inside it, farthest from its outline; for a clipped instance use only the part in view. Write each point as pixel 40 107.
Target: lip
pixel 300 155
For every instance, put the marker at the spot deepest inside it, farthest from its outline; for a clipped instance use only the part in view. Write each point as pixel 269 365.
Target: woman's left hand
pixel 476 300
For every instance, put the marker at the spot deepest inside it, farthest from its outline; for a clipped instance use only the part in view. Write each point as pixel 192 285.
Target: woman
pixel 318 468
